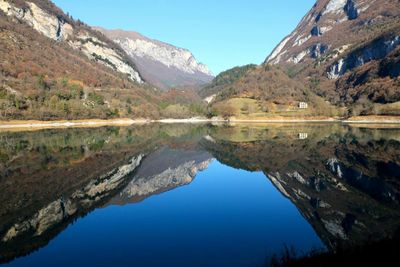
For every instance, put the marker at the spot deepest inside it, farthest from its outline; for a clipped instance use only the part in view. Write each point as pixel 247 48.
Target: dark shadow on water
pixel 373 253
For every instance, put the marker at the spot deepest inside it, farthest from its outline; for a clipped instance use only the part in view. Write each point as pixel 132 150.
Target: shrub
pixel 96 98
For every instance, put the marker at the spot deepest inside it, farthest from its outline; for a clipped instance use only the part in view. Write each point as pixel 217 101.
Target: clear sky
pixel 220 33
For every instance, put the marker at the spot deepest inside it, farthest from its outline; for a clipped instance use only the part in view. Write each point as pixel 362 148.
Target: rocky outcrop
pixel 101 52
pixel 318 50
pixel 341 50
pixel 316 31
pixel 55 27
pixel 278 52
pixel 330 22
pixel 315 51
pixel 168 55
pixel 299 57
pixel 351 10
pixel 337 69
pixel 377 49
pixel 175 67
pixel 51 26
pixel 334 166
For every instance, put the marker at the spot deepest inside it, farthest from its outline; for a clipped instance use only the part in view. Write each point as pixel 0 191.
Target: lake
pixel 195 195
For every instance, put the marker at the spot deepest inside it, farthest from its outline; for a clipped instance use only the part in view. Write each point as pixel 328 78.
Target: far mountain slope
pixel 161 64
pixel 224 80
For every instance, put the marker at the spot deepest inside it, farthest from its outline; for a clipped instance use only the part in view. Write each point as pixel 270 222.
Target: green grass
pixel 250 108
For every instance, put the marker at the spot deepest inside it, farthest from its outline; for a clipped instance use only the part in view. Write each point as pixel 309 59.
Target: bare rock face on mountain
pixel 346 50
pixel 334 27
pixel 50 21
pixel 161 64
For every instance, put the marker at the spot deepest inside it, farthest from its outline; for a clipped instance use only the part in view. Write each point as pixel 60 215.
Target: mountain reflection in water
pixel 344 180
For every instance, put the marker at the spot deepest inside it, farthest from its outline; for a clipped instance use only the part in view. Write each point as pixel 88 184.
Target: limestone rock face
pixel 351 10
pixel 331 23
pixel 173 66
pixel 101 52
pixel 378 49
pixel 346 51
pixel 56 28
pixel 50 26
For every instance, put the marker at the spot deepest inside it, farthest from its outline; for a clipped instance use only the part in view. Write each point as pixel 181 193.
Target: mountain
pixel 262 92
pixel 346 52
pixel 161 64
pixel 54 67
pixel 349 51
pixel 223 80
pixel 333 27
pixel 46 18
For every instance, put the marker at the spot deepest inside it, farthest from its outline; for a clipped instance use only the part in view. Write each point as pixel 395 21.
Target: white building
pixel 303 105
pixel 303 136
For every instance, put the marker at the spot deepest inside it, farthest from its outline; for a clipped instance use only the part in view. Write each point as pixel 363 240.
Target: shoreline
pixel 37 124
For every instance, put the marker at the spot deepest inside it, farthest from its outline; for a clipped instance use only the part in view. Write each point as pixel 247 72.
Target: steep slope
pixel 327 26
pixel 161 64
pixel 50 21
pixel 346 51
pixel 53 67
pixel 223 80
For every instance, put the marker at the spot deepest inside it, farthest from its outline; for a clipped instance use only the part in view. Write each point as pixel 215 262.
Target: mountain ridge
pixel 49 20
pixel 162 64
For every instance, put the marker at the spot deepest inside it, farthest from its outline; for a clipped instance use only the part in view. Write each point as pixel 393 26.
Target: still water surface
pixel 194 195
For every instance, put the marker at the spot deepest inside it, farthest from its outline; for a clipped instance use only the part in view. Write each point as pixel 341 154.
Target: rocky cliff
pixel 324 29
pixel 50 21
pixel 340 45
pixel 54 67
pixel 161 64
pixel 335 27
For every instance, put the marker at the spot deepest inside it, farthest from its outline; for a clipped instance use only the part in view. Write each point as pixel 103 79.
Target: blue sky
pixel 220 33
